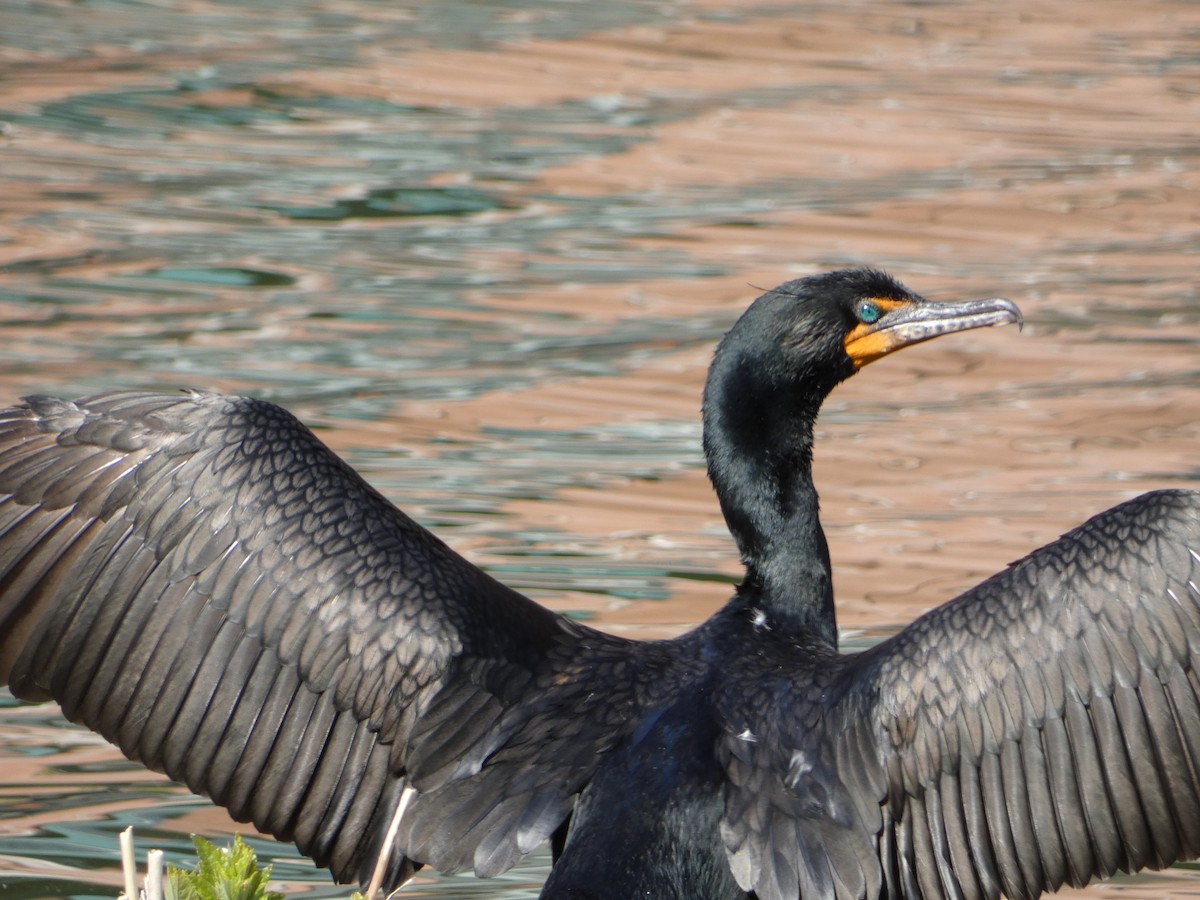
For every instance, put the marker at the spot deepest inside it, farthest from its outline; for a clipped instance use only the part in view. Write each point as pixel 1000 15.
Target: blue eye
pixel 868 312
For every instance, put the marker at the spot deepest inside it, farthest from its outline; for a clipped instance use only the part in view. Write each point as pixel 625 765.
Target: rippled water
pixel 487 247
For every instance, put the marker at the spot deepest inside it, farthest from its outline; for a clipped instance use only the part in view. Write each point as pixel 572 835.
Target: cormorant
pixel 200 580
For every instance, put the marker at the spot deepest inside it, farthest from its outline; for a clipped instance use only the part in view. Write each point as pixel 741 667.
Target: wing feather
pixel 1043 810
pixel 958 854
pixel 926 848
pixel 1074 842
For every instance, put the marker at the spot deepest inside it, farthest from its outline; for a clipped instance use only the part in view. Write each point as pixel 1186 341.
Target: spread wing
pixel 1041 729
pixel 200 580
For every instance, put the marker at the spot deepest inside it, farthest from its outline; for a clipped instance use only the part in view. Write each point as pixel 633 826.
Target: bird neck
pixel 761 466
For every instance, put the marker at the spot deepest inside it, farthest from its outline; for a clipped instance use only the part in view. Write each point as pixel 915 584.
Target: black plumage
pixel 200 580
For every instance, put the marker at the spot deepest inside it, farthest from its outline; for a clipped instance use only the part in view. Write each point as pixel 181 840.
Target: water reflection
pixel 486 249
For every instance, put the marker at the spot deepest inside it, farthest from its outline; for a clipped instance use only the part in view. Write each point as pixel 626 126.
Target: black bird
pixel 200 580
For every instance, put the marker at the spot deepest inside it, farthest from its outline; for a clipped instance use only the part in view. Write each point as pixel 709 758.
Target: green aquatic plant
pixel 223 873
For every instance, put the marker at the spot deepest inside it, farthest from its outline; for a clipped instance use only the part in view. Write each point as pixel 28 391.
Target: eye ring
pixel 868 312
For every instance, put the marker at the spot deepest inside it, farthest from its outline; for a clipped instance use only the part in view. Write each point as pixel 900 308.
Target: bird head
pixel 801 339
